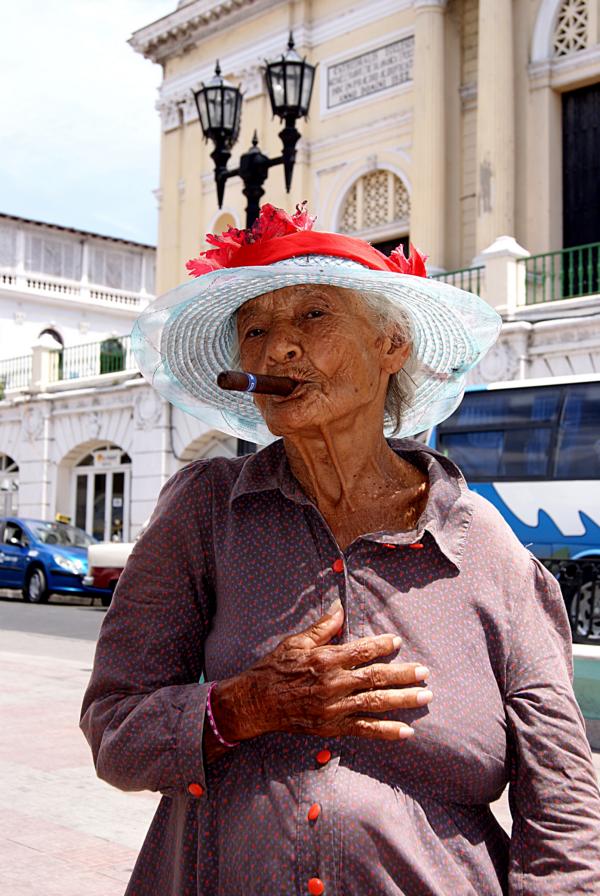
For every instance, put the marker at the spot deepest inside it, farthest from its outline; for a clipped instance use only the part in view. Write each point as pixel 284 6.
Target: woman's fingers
pixel 381 701
pixel 385 675
pixel 376 729
pixel 365 650
pixel 322 631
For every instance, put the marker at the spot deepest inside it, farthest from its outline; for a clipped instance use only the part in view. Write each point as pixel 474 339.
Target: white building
pixel 81 434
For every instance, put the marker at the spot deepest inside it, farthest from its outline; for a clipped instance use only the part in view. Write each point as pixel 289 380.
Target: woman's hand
pixel 309 686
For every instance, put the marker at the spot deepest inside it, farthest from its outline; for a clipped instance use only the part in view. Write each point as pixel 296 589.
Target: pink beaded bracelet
pixel 212 722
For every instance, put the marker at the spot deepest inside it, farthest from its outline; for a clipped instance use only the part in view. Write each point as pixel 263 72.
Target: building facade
pixel 469 126
pixel 81 434
pixel 452 121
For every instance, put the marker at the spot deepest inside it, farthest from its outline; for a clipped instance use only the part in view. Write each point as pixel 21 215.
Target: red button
pixel 314 812
pixel 417 546
pixel 338 565
pixel 196 789
pixel 316 886
pixel 323 757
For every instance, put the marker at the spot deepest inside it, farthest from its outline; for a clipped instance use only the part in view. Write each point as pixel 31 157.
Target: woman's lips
pixel 300 390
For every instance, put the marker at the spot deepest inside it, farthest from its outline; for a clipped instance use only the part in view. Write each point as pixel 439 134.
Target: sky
pixel 79 132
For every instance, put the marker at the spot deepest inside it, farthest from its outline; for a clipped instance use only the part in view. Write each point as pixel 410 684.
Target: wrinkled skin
pixel 332 428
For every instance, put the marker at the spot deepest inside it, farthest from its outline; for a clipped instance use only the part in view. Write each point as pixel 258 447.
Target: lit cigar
pixel 235 380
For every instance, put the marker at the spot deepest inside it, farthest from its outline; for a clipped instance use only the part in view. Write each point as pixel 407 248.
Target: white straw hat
pixel 186 337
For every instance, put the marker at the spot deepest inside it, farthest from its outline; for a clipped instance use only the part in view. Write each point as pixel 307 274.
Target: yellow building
pixel 454 121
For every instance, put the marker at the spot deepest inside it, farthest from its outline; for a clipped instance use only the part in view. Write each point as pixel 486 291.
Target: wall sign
pixel 371 72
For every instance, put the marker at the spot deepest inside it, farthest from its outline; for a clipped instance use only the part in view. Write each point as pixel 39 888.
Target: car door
pixel 13 555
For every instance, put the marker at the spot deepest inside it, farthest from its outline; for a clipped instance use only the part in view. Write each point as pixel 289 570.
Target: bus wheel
pixel 35 590
pixel 585 613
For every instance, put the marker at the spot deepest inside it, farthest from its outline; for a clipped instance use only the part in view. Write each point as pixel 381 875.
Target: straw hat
pixel 187 336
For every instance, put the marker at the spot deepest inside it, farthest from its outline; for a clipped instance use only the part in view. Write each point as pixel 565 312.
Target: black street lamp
pixel 289 82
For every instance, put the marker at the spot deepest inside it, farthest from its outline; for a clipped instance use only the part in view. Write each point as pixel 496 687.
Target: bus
pixel 532 448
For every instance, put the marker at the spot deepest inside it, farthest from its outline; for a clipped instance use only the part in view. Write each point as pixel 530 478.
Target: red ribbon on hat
pixel 276 236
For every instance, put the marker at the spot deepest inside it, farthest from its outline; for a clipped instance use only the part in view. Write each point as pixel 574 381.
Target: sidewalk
pixel 63 832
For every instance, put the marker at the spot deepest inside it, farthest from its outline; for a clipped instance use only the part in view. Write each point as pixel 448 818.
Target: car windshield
pixel 60 533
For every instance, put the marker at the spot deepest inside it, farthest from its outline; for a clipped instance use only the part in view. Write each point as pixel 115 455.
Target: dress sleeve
pixel 143 711
pixel 555 844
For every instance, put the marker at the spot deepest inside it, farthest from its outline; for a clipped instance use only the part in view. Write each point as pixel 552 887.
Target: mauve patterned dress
pixel 236 557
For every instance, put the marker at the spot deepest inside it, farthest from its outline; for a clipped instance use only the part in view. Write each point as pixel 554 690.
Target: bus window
pixel 499 454
pixel 578 448
pixel 506 408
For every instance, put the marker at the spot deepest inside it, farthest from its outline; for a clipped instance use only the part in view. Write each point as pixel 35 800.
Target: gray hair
pixel 401 386
pixel 387 316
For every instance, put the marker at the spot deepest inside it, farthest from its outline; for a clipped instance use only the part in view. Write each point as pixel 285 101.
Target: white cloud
pixel 79 134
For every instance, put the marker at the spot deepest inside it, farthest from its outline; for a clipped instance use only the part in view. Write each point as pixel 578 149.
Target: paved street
pixel 62 831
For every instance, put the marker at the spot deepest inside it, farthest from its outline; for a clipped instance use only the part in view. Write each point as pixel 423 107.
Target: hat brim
pixel 186 337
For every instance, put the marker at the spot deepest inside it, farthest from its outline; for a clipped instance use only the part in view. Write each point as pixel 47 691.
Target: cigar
pixel 235 380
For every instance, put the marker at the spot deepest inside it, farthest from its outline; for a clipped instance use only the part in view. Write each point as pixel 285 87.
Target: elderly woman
pixel 331 656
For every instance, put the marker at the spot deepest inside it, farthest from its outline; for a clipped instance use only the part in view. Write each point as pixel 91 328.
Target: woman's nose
pixel 283 345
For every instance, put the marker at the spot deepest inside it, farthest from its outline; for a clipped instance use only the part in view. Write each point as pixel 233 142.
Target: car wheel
pixel 107 598
pixel 36 587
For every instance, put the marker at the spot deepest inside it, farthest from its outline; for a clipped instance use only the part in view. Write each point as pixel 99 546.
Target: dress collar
pixel 446 517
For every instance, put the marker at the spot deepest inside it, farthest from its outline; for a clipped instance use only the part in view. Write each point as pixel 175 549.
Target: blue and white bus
pixel 532 448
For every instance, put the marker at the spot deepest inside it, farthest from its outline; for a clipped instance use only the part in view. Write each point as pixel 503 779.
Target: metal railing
pixel 463 278
pixel 565 274
pixel 92 359
pixel 579 582
pixel 15 373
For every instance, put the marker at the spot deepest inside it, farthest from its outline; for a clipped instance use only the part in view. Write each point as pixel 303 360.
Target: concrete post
pixel 495 122
pixel 43 365
pixel 504 276
pixel 428 213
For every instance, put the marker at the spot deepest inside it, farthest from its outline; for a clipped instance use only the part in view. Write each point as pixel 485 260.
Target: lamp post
pixel 289 83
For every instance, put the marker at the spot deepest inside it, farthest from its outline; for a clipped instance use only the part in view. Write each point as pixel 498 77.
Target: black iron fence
pixel 580 585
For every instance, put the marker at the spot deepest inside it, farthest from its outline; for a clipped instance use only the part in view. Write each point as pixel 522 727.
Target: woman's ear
pixel 395 351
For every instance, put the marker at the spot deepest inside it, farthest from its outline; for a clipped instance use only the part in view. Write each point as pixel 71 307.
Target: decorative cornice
pixel 430 4
pixel 565 71
pixel 199 20
pixel 182 28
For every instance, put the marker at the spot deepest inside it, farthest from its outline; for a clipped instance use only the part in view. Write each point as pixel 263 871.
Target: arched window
pixel 54 334
pixel 377 205
pixel 9 485
pixel 570 34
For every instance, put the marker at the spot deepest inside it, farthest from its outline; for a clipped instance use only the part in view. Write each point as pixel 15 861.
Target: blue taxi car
pixel 43 557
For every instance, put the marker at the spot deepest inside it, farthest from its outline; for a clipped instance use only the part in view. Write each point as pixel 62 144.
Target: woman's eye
pixel 316 312
pixel 254 332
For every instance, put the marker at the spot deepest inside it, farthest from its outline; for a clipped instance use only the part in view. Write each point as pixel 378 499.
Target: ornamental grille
pixel 377 199
pixel 571 28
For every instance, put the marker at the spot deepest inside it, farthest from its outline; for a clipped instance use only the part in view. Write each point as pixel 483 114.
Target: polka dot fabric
pixel 236 557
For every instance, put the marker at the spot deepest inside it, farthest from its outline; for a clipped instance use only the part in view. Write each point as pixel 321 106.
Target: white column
pixel 495 122
pixel 505 276
pixel 428 214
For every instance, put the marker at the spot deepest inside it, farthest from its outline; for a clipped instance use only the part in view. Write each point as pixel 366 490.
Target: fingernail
pixel 424 697
pixel 406 732
pixel 335 608
pixel 397 642
pixel 421 672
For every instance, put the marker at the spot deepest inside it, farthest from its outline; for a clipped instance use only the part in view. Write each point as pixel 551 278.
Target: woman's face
pixel 327 339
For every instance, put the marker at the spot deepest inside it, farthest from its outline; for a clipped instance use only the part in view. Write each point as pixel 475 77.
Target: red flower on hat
pixel 414 264
pixel 271 223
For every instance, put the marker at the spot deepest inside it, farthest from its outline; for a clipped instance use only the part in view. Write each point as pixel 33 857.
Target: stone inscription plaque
pixel 371 72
